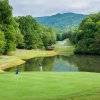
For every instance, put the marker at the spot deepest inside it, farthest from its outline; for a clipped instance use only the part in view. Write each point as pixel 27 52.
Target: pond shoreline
pixel 21 56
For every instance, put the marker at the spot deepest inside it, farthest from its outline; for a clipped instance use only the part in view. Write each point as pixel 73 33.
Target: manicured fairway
pixel 50 86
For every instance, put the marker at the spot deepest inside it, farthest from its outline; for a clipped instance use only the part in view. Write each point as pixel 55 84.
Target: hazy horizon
pixel 39 8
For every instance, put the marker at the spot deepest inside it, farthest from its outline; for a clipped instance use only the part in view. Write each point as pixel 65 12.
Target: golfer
pixel 17 72
pixel 40 67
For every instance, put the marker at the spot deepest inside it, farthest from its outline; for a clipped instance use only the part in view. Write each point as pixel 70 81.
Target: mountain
pixel 62 21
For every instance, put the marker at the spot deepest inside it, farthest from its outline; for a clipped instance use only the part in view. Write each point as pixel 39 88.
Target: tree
pixel 35 35
pixel 19 37
pixel 87 37
pixel 29 28
pixel 21 32
pixel 5 12
pixel 49 36
pixel 6 21
pixel 2 43
pixel 10 39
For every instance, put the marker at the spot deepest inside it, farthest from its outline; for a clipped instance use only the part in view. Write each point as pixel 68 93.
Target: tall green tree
pixel 87 37
pixel 2 43
pixel 49 36
pixel 28 27
pixel 10 39
pixel 35 35
pixel 19 37
pixel 6 20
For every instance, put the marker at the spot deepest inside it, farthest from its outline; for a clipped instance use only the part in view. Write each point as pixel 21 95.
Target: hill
pixel 62 21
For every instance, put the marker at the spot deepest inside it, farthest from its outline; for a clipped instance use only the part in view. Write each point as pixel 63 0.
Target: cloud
pixel 50 7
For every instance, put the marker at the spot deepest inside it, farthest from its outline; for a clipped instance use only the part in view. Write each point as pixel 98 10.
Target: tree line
pixel 87 37
pixel 63 34
pixel 22 32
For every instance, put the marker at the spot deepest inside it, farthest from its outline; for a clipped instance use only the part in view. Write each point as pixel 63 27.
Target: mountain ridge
pixel 62 21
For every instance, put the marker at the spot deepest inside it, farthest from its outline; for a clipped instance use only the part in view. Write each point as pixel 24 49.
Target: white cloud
pixel 49 7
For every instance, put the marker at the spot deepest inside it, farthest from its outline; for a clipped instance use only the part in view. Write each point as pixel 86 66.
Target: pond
pixel 59 63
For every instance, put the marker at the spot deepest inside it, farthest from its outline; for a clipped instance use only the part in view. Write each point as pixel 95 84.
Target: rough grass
pixel 50 86
pixel 28 54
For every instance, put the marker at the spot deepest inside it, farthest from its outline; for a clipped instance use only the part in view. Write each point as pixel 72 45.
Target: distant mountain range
pixel 62 21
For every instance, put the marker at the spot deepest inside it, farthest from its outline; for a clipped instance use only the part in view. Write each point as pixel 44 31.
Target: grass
pixel 21 55
pixel 28 54
pixel 50 86
pixel 8 61
pixel 63 50
pixel 64 47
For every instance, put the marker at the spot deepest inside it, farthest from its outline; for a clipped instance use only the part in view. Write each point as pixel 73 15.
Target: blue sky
pixel 38 8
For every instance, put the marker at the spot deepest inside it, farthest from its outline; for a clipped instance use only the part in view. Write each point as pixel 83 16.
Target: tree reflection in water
pixel 62 63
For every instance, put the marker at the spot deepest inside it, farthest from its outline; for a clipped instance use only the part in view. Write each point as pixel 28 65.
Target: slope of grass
pixel 28 54
pixel 21 55
pixel 64 47
pixel 50 86
pixel 8 61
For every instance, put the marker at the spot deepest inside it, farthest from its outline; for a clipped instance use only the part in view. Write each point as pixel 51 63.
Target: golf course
pixel 49 86
pixel 49 50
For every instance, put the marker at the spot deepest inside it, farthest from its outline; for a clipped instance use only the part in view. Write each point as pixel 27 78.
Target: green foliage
pixel 63 34
pixel 49 37
pixel 75 37
pixel 21 32
pixel 35 34
pixel 87 37
pixel 7 26
pixel 29 28
pixel 2 42
pixel 10 39
pixel 19 37
pixel 5 12
pixel 66 35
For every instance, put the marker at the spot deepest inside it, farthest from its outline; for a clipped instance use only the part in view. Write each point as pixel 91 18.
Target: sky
pixel 38 8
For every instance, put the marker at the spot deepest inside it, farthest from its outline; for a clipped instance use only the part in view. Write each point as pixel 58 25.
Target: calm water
pixel 61 64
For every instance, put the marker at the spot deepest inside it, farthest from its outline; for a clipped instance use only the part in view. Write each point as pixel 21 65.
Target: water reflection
pixel 62 64
pixel 87 63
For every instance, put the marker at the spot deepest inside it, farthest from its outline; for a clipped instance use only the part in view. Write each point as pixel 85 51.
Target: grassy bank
pixel 9 61
pixel 21 55
pixel 28 54
pixel 50 86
